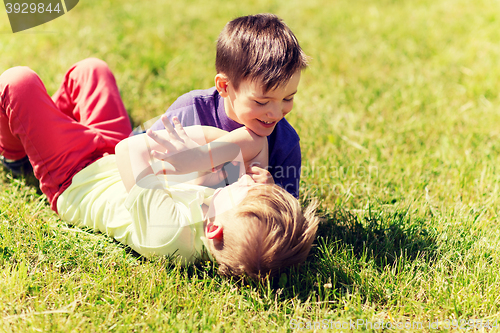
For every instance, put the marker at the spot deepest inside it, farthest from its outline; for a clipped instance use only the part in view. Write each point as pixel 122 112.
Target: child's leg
pixel 89 95
pixel 57 145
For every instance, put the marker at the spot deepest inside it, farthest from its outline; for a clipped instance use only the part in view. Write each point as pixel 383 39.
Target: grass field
pixel 399 119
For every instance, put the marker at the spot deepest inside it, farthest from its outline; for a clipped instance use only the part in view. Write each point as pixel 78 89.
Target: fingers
pixel 256 178
pixel 260 175
pixel 166 123
pixel 159 139
pixel 261 179
pixel 168 126
pixel 159 155
pixel 179 128
pixel 256 169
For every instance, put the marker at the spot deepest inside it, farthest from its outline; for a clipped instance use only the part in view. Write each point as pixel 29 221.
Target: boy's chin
pixel 262 130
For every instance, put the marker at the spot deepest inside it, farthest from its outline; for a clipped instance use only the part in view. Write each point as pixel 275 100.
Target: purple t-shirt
pixel 206 107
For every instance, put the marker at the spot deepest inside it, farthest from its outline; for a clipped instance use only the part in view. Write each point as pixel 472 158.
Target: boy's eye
pixel 261 103
pixel 288 99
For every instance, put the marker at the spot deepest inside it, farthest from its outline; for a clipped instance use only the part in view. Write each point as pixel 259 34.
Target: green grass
pixel 398 116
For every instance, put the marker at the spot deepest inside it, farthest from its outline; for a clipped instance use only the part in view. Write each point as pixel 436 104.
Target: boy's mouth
pixel 267 124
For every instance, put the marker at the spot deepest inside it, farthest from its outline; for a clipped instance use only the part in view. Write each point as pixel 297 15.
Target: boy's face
pixel 258 110
pixel 227 198
pixel 221 211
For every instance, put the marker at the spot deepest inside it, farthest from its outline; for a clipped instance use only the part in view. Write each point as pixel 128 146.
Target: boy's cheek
pixel 247 115
pixel 287 111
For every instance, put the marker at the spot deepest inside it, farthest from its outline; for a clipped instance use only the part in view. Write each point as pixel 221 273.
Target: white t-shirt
pixel 152 219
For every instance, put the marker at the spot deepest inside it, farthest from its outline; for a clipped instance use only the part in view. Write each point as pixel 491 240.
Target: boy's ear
pixel 215 232
pixel 221 84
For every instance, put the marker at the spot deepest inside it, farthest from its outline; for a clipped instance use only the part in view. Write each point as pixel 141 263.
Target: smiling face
pixel 251 106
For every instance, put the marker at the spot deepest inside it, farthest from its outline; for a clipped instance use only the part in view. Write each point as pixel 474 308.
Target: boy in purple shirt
pixel 258 63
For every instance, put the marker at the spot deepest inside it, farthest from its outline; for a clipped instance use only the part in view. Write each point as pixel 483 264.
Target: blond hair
pixel 274 233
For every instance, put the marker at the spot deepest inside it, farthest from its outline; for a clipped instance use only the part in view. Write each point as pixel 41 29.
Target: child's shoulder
pixel 199 94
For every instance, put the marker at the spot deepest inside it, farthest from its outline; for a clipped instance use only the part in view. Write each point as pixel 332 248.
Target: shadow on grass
pixel 29 179
pixel 383 238
pixel 349 256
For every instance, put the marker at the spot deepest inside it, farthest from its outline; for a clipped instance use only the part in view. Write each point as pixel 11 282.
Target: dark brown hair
pixel 259 47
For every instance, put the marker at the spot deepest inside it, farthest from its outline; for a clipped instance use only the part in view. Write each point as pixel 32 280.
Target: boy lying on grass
pixel 250 228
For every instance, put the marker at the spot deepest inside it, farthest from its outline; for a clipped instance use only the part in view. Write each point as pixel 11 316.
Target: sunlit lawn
pixel 399 119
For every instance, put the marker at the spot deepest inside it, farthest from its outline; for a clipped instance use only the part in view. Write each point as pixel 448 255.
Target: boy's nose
pixel 275 114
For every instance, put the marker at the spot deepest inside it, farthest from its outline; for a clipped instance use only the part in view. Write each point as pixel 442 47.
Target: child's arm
pixel 184 155
pixel 254 148
pixel 135 161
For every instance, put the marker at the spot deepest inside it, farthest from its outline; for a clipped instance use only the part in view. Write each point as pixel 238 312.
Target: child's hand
pixel 259 175
pixel 174 142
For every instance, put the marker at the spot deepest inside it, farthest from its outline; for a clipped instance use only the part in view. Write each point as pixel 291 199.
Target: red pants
pixel 82 122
